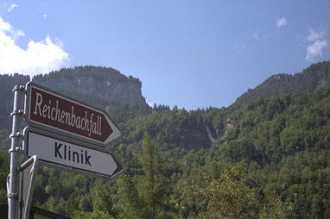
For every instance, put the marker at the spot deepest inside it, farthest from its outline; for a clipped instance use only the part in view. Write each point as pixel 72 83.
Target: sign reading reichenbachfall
pixel 60 132
pixel 48 109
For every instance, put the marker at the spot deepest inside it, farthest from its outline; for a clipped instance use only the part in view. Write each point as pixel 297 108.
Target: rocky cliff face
pixel 106 85
pixel 314 77
pixel 103 87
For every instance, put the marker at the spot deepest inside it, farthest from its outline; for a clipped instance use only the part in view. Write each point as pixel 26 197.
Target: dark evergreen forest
pixel 265 156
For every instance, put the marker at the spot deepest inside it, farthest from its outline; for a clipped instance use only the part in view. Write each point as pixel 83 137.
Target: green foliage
pixel 303 180
pixel 267 158
pixel 153 183
pixel 231 196
pixel 4 169
pixel 129 201
pixel 190 194
pixel 92 215
pixel 102 198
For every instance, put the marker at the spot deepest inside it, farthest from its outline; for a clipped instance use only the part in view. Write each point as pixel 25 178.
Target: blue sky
pixel 189 53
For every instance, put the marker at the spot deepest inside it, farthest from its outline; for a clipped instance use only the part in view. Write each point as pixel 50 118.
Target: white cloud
pixel 315 49
pixel 7 28
pixel 281 22
pixel 316 44
pixel 38 56
pixel 12 7
pixel 314 36
pixel 45 15
pixel 4 26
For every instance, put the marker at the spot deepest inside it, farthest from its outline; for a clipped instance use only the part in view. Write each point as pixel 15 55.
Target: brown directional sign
pixel 47 109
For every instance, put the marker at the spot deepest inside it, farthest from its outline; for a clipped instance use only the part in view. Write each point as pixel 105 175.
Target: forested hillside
pixel 314 77
pixel 267 156
pixel 102 87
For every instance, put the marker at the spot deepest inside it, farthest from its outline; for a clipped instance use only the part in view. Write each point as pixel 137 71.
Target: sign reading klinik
pixel 56 151
pixel 48 109
pixel 62 132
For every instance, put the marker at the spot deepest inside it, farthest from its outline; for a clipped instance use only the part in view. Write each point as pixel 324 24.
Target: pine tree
pixel 151 180
pixel 129 201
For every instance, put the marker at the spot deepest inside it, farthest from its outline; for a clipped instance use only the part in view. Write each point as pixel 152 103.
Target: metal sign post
pixel 15 135
pixel 27 174
pixel 61 132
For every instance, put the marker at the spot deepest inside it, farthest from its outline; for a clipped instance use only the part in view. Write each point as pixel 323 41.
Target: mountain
pixel 100 85
pixel 267 156
pixel 103 87
pixel 310 79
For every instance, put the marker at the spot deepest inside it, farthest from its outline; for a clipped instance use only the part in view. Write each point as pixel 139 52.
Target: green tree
pixel 97 214
pixel 231 197
pixel 103 195
pixel 129 201
pixel 152 184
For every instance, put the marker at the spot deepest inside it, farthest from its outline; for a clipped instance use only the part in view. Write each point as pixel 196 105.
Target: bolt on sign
pixel 47 109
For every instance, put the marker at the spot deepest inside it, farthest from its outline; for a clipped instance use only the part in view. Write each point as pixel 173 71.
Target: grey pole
pixel 14 148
